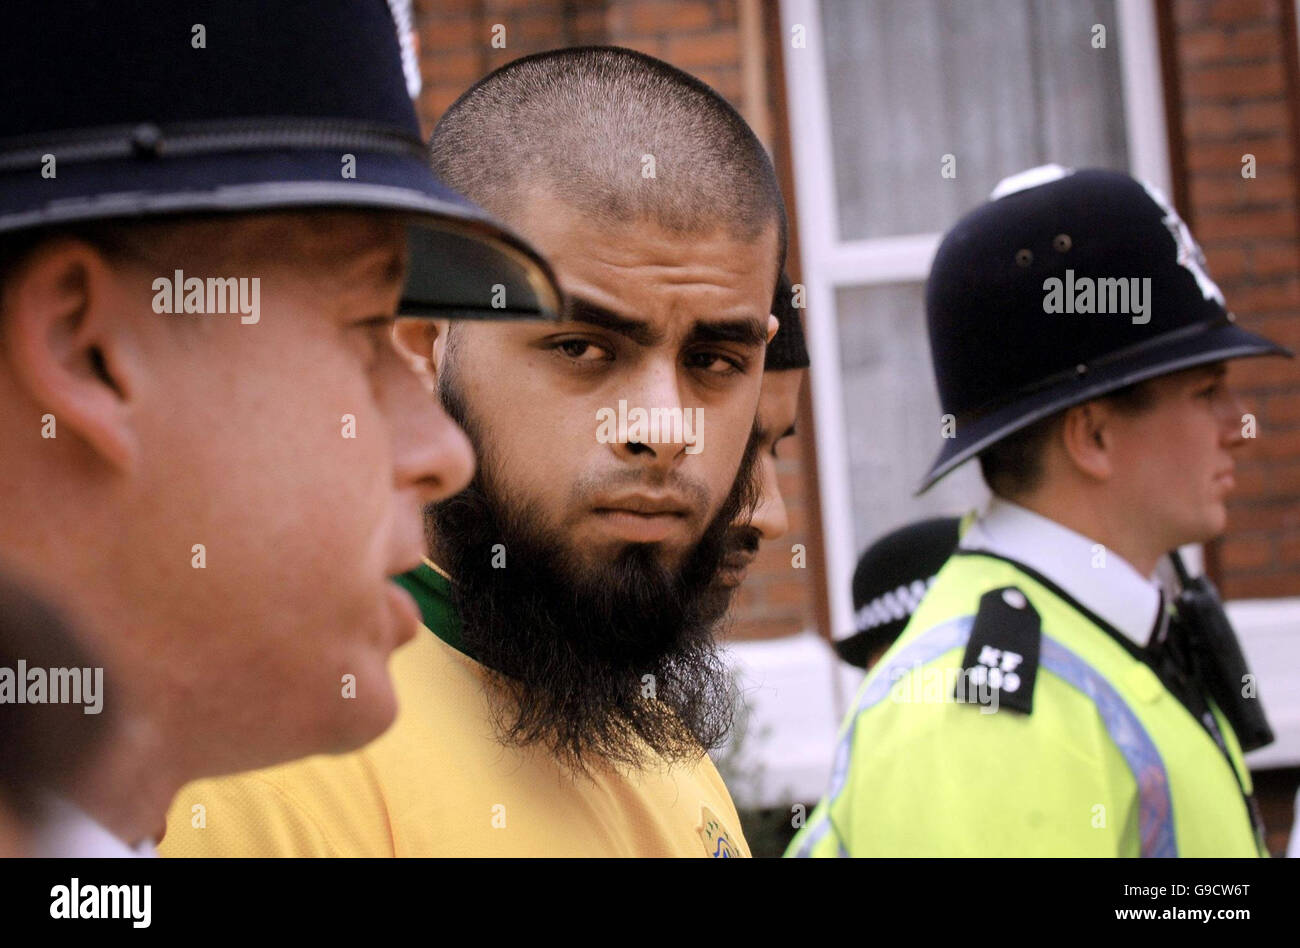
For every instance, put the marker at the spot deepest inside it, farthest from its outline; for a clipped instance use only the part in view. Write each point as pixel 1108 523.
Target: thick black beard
pixel 615 662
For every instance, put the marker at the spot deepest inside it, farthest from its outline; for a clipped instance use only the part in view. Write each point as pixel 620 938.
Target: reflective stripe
pixel 929 646
pixel 1155 807
pixel 815 835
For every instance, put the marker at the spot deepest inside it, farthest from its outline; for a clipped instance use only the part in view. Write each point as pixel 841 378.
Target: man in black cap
pixel 568 686
pixel 784 366
pixel 215 458
pixel 1044 700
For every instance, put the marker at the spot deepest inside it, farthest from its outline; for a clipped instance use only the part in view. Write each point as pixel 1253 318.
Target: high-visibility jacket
pixel 1078 749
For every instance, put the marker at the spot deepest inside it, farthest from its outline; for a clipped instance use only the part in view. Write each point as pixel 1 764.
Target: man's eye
pixel 581 350
pixel 715 362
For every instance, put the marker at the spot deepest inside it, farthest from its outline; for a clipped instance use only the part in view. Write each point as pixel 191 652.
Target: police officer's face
pixel 778 406
pixel 660 321
pixel 319 449
pixel 1173 462
pixel 250 484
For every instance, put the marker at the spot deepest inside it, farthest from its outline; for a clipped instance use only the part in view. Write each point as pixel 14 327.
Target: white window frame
pixel 829 263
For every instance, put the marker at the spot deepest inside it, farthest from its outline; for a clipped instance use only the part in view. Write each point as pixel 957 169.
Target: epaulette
pixel 1001 660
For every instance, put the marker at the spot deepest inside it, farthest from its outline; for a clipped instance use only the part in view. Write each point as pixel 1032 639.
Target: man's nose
pixel 657 424
pixel 770 518
pixel 431 454
pixel 1234 421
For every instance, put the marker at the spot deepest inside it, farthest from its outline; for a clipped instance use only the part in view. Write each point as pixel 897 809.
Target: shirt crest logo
pixel 716 839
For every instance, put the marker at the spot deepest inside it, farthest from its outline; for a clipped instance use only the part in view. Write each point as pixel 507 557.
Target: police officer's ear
pixel 421 343
pixel 69 347
pixel 1086 437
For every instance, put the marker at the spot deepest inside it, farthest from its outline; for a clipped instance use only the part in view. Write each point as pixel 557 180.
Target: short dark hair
pixel 581 120
pixel 1014 466
pixel 787 349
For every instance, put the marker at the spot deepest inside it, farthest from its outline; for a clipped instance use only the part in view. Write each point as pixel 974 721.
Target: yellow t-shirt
pixel 439 783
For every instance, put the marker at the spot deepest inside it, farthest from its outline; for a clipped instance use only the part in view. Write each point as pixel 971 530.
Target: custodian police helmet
pixel 1064 287
pixel 891 579
pixel 153 107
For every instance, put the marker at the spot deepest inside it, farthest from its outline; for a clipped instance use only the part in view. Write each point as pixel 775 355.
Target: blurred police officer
pixel 214 456
pixel 889 583
pixel 1044 700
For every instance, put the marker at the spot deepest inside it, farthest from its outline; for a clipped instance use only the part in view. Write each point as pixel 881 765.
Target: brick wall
pixel 1233 93
pixel 707 38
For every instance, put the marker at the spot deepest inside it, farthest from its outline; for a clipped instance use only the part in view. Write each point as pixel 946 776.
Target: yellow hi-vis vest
pixel 1106 762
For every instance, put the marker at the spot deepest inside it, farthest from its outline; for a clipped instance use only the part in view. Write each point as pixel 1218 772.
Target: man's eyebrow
pixel 585 311
pixel 749 332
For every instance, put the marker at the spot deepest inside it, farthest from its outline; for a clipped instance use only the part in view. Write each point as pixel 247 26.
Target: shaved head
pixel 590 125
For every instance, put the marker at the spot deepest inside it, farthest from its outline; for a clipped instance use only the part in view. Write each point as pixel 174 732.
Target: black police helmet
pixel 1008 296
pixel 891 578
pixel 153 107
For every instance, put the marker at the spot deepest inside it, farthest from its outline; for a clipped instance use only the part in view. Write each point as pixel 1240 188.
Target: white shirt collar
pixel 1115 591
pixel 68 831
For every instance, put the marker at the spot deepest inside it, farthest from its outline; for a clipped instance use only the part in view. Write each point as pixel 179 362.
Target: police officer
pixel 215 458
pixel 1045 699
pixel 890 582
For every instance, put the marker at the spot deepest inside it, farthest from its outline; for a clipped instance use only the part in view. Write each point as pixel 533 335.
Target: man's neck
pixel 129 784
pixel 1119 533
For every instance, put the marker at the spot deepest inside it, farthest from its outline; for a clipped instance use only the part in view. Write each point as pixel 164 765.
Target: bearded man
pixel 564 695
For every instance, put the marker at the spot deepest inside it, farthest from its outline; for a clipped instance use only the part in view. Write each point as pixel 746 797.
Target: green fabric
pixel 920 775
pixel 432 592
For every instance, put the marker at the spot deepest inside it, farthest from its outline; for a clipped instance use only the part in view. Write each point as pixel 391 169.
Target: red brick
pixel 1275 445
pixel 1215 45
pixel 431 11
pixel 452 32
pixel 453 65
pixel 1226 157
pixel 788 594
pixel 1284 518
pixel 1241 11
pixel 663 16
pixel 1266 586
pixel 716 48
pixel 1240 81
pixel 1227 263
pixel 1271 372
pixel 1210 121
pixel 1271 480
pixel 1267 259
pixel 1269 298
pixel 533 32
pixel 1281 409
pixel 1221 225
pixel 1246 552
pixel 1269 115
pixel 588 26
